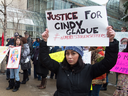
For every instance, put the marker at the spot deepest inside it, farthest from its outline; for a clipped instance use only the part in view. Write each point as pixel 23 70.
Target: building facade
pixel 19 19
pixel 114 9
pixel 29 15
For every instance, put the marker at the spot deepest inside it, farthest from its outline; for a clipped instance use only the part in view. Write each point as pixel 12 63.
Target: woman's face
pixel 18 42
pixel 72 57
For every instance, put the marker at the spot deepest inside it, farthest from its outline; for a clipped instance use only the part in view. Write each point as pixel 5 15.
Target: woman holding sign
pixel 73 76
pixel 122 82
pixel 14 73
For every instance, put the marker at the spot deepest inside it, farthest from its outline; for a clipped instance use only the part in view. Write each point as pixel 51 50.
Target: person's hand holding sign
pixel 45 35
pixel 110 33
pixel 11 46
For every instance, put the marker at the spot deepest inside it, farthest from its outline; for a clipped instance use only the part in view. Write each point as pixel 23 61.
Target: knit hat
pixel 78 49
pixel 124 40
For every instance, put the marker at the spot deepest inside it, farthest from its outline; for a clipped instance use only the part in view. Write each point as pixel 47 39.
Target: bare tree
pixel 4 23
pixel 16 17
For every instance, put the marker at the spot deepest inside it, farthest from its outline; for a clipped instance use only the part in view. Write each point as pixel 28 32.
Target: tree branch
pixel 2 22
pixel 10 3
pixel 1 11
pixel 2 3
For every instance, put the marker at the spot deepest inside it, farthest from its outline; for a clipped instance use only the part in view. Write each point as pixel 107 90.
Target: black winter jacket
pixel 71 84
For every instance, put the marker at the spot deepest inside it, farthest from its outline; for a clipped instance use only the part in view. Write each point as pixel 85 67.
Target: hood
pixel 25 45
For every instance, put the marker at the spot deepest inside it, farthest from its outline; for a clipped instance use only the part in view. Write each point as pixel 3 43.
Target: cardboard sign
pixel 57 56
pixel 14 58
pixel 3 52
pixel 87 57
pixel 83 26
pixel 121 64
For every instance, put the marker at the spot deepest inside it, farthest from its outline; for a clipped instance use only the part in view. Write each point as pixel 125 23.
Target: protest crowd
pixel 74 76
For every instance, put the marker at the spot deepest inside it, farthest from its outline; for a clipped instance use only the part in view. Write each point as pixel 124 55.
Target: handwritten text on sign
pixel 69 26
pixel 121 64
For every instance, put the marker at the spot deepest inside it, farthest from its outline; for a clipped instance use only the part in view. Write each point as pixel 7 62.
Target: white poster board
pixel 3 52
pixel 14 58
pixel 83 26
pixel 87 57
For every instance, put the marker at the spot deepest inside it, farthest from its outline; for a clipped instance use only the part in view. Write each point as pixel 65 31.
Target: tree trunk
pixel 5 22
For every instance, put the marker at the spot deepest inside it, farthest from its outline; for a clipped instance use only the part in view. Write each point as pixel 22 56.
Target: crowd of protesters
pixel 74 78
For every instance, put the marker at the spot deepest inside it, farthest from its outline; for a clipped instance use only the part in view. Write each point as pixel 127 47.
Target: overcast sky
pixel 100 1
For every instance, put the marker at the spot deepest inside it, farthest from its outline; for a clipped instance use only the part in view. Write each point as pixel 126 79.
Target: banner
pixel 3 52
pixel 83 26
pixel 122 37
pixel 121 64
pixel 57 56
pixel 87 57
pixel 14 58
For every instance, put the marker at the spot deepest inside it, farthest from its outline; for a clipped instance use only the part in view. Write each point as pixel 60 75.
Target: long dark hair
pixel 76 68
pixel 126 49
pixel 21 43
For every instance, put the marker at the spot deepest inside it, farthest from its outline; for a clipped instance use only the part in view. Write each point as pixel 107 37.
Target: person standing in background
pixel 14 73
pixel 36 43
pixel 10 42
pixel 123 29
pixel 35 61
pixel 29 41
pixel 97 55
pixel 122 83
pixel 25 55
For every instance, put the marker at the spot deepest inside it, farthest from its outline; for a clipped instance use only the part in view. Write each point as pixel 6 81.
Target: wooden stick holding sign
pixel 84 26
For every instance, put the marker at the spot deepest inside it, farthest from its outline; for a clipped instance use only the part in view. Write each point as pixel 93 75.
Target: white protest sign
pixel 3 52
pixel 14 58
pixel 87 57
pixel 83 26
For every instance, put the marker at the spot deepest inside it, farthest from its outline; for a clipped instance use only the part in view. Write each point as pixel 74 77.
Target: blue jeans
pixel 14 73
pixel 95 91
